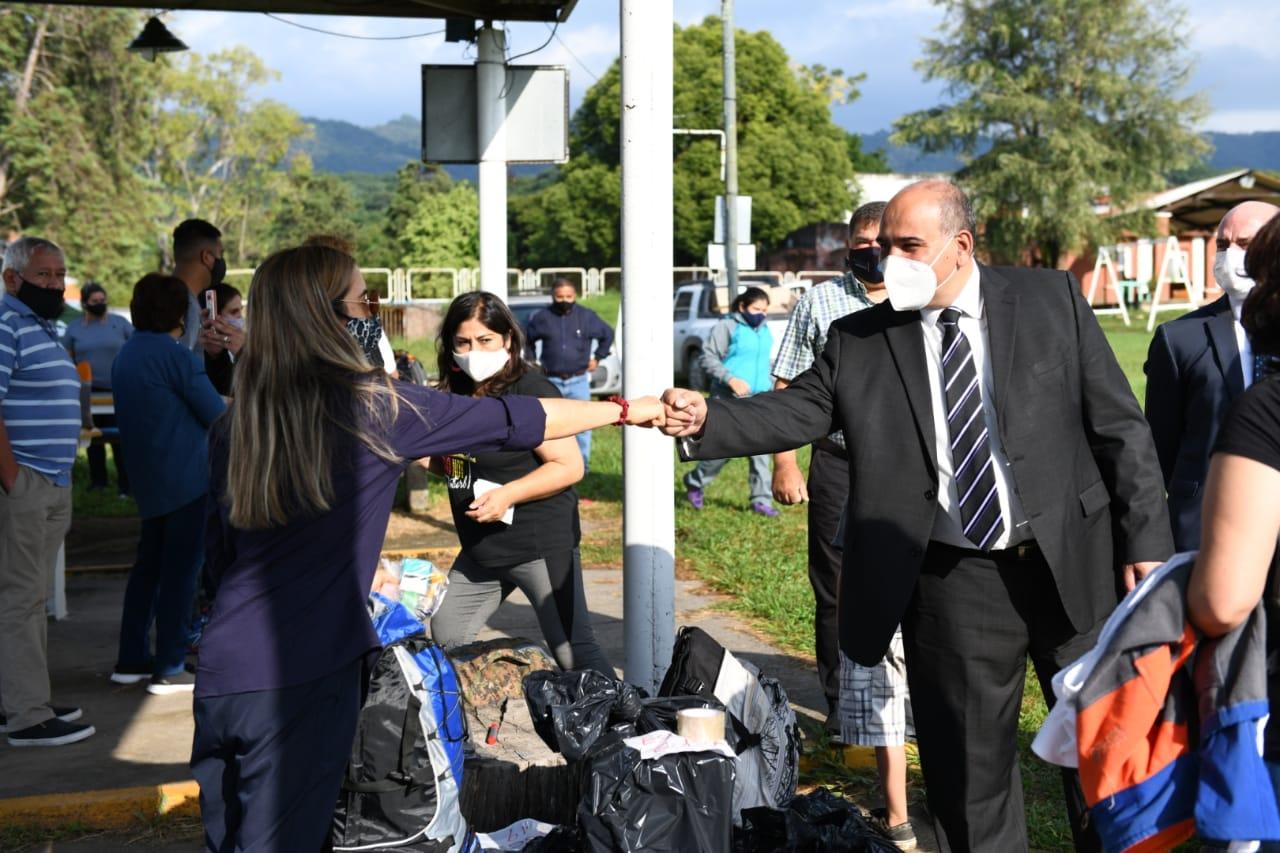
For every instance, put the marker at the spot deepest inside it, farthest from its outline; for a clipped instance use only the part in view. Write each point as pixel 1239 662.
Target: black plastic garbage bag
pixel 677 803
pixel 819 822
pixel 573 710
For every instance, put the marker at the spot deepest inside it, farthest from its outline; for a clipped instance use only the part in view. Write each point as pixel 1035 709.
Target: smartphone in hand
pixel 211 305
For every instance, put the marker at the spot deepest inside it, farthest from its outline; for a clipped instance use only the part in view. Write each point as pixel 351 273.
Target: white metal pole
pixel 491 124
pixel 731 149
pixel 648 515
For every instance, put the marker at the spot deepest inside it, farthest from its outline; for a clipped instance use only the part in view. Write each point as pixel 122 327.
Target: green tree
pixel 1082 101
pixel 443 229
pixel 308 203
pixel 70 138
pixel 793 160
pixel 217 151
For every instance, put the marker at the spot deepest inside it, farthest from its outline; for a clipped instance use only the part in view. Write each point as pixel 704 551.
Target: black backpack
pixel 399 792
pixel 766 736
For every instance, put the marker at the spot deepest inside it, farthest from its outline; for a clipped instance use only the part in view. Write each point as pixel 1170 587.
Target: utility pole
pixel 491 127
pixel 648 465
pixel 731 150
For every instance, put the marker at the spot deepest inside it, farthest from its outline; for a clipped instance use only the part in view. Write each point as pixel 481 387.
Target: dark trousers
pixel 968 631
pixel 162 589
pixel 97 453
pixel 828 492
pixel 270 763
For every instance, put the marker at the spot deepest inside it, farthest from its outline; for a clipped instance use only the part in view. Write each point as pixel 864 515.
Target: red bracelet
pixel 626 409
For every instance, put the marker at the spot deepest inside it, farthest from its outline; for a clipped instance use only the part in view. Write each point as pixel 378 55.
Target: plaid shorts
pixel 874 700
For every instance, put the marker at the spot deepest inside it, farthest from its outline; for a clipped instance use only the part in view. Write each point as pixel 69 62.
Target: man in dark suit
pixel 1196 366
pixel 1003 487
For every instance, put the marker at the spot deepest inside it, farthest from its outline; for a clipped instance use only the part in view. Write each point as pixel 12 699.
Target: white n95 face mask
pixel 482 364
pixel 911 283
pixel 1228 272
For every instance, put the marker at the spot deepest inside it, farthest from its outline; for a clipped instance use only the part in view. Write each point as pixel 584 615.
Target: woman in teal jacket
pixel 737 357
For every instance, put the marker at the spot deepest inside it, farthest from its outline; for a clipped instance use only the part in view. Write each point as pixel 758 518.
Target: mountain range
pixel 339 146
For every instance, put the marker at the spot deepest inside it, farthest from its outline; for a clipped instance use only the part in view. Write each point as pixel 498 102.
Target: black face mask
pixel 46 302
pixel 562 307
pixel 97 309
pixel 865 264
pixel 218 273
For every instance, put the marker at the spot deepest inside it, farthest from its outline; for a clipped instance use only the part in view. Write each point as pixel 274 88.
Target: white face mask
pixel 911 283
pixel 482 364
pixel 1228 272
pixel 238 322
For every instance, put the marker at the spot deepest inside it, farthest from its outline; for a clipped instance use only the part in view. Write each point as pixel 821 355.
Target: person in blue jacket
pixel 165 405
pixel 737 357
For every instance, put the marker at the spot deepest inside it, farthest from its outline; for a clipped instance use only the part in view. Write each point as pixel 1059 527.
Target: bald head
pixel 931 222
pixel 1242 222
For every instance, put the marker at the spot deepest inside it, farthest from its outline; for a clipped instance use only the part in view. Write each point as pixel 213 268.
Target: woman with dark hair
pixel 97 340
pixel 221 367
pixel 738 356
pixel 304 467
pixel 515 510
pixel 164 406
pixel 1239 564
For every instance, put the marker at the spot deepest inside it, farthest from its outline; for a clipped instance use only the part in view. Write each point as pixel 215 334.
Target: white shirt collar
pixel 1237 306
pixel 968 302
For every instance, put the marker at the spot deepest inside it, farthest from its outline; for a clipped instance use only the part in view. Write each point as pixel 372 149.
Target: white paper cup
pixel 700 725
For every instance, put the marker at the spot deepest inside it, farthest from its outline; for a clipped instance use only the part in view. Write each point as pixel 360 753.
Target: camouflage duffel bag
pixel 492 671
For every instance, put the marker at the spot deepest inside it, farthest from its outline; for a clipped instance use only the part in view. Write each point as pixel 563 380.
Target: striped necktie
pixel 970 444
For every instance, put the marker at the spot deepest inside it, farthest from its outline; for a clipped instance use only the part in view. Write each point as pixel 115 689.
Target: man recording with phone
pixel 198 261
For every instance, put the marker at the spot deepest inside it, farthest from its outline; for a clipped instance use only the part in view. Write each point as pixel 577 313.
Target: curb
pixel 116 808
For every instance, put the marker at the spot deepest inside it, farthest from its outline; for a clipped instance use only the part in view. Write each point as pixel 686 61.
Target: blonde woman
pixel 304 470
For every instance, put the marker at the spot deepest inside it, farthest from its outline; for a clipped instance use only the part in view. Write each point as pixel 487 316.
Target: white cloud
pixel 890 9
pixel 1244 121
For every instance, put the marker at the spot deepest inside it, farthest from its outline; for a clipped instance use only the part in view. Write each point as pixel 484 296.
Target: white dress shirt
pixel 947 526
pixel 1242 341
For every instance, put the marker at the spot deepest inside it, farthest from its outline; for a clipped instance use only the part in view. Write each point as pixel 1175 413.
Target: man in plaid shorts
pixel 866 705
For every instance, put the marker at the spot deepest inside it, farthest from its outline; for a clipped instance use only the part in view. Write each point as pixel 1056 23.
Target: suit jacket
pixel 1081 455
pixel 1193 375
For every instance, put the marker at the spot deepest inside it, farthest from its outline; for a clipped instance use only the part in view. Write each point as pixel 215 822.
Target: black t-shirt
pixel 538 527
pixel 1252 430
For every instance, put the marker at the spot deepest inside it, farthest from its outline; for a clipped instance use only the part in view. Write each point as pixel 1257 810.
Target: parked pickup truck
pixel 699 305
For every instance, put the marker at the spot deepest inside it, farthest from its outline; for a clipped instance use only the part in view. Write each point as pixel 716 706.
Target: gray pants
pixel 34 517
pixel 759 477
pixel 553 585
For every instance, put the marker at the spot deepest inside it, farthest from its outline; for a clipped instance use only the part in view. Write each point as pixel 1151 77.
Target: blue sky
pixel 368 82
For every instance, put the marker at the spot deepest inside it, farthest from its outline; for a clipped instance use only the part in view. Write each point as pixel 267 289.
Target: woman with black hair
pixel 97 339
pixel 515 510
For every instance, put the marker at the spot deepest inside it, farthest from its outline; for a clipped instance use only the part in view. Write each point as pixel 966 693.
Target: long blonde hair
pixel 300 375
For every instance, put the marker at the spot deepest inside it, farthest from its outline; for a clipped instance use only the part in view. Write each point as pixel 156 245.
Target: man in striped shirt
pixel 39 431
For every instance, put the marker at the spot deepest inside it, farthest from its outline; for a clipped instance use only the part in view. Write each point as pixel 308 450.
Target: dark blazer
pixel 1082 458
pixel 1193 375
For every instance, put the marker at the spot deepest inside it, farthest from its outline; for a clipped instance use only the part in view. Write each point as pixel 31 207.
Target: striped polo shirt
pixel 39 393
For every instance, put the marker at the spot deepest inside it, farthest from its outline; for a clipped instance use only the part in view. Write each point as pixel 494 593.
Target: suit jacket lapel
pixel 1001 305
pixel 907 348
pixel 1222 335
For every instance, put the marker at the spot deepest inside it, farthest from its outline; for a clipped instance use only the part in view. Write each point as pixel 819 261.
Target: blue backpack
pixel 404 776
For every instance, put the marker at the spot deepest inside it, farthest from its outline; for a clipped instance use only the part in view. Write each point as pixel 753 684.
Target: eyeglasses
pixel 369 299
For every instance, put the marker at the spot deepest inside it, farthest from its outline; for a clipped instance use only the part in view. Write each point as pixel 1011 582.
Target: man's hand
pixel 591 365
pixel 1135 572
pixel 686 412
pixel 789 487
pixel 739 387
